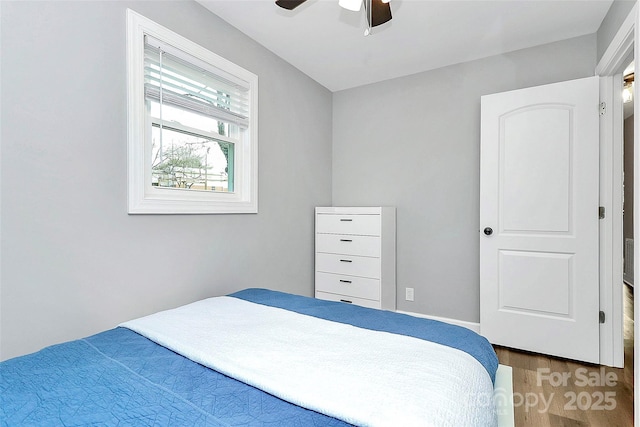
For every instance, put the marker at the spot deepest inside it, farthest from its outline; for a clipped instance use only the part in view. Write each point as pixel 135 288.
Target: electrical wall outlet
pixel 408 294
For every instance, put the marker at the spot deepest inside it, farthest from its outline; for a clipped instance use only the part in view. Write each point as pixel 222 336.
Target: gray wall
pixel 610 25
pixel 73 262
pixel 413 143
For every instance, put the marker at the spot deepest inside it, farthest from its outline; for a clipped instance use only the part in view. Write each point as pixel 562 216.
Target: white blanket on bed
pixel 363 377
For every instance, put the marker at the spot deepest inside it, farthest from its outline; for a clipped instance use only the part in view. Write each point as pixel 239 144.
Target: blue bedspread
pixel 121 378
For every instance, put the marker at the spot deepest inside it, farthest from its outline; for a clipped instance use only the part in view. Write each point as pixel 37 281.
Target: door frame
pixel 624 45
pixel 615 57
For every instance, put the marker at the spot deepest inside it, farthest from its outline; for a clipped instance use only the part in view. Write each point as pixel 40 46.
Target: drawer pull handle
pixel 346 240
pixel 345 281
pixel 346 219
pixel 345 260
pixel 347 301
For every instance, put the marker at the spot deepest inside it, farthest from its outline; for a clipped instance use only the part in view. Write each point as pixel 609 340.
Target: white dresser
pixel 356 255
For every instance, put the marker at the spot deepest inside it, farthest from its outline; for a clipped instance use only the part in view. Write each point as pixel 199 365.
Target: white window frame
pixel 143 198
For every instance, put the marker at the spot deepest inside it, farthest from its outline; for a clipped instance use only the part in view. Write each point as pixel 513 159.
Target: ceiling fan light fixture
pixel 628 86
pixel 353 5
pixel 377 11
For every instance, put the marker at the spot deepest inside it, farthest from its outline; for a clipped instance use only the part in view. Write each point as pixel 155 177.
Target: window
pixel 192 132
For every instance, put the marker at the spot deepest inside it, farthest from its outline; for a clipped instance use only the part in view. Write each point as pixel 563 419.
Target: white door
pixel 539 219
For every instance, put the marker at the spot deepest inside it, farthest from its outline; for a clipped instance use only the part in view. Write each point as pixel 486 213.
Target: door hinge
pixel 601 316
pixel 601 212
pixel 603 108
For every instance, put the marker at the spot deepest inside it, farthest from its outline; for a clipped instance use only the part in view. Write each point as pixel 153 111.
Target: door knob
pixel 488 231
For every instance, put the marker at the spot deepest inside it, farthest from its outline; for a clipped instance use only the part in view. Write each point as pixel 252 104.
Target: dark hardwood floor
pixel 588 395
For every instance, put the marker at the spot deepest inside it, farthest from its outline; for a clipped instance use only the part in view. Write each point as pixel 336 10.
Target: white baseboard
pixel 475 327
pixel 503 396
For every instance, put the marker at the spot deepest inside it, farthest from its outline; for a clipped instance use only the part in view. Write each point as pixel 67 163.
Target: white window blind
pixel 173 77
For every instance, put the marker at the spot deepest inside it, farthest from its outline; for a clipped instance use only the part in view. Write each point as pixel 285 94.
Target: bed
pixel 259 358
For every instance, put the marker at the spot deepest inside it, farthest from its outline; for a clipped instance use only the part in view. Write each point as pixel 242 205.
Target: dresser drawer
pixel 348 264
pixel 348 244
pixel 352 286
pixel 351 300
pixel 368 225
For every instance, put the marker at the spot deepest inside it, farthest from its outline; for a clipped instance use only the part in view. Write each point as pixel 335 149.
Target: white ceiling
pixel 327 42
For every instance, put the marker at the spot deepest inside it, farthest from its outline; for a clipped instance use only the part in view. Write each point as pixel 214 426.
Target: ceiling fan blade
pixel 289 4
pixel 380 12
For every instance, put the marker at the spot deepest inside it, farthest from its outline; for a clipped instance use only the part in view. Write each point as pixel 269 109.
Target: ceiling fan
pixel 378 11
